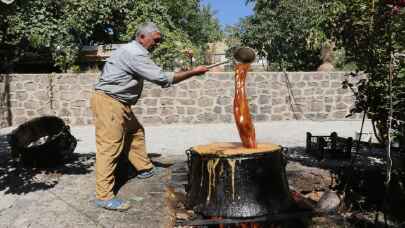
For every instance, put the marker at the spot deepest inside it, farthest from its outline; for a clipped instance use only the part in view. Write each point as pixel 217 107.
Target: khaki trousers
pixel 116 128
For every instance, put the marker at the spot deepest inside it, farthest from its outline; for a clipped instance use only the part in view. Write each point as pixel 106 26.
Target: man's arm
pixel 183 75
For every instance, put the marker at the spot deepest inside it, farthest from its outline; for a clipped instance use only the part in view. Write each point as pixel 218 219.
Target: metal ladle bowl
pixel 244 55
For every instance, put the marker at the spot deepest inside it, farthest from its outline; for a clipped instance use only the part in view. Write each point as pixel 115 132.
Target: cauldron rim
pixel 59 126
pixel 241 156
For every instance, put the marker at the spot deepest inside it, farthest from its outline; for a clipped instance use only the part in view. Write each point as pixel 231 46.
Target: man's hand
pixel 183 75
pixel 200 70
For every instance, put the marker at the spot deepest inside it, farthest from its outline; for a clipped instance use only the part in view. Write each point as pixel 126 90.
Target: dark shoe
pixel 146 174
pixel 114 204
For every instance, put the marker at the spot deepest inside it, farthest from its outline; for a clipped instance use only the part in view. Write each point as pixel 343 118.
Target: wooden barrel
pixel 229 180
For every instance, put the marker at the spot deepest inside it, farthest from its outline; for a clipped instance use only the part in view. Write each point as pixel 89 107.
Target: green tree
pixel 288 33
pixel 371 33
pixel 60 28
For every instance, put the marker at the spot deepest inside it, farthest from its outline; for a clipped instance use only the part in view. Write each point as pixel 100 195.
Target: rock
pixel 315 196
pixel 328 202
pixel 184 215
pixel 308 179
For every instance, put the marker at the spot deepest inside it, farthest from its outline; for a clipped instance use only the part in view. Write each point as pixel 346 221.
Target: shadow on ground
pixel 17 179
pixel 125 170
pixel 363 179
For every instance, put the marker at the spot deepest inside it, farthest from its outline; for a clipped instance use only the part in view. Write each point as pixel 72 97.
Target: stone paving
pixel 64 196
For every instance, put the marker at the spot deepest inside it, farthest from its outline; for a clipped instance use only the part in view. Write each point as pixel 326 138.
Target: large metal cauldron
pixel 42 142
pixel 238 186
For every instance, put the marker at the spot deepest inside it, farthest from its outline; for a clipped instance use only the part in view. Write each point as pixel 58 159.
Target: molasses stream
pixel 238 179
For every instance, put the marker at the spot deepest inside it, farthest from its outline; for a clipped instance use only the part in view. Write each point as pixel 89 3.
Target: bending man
pixel 118 88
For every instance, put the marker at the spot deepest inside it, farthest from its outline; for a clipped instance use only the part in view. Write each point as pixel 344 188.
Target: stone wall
pixel 205 99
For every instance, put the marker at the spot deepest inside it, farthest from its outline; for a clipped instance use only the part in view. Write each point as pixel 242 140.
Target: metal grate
pixel 329 146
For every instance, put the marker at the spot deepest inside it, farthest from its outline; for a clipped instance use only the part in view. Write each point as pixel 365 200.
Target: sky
pixel 229 11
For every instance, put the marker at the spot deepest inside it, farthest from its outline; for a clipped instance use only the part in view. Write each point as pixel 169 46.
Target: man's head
pixel 148 35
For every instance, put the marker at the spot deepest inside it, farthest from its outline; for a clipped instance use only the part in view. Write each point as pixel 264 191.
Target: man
pixel 119 87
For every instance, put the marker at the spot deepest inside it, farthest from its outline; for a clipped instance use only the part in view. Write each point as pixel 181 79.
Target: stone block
pixel 41 95
pixel 30 104
pixel 152 120
pixel 169 92
pixel 79 121
pixel 30 86
pixel 210 92
pixel 19 120
pixel 193 94
pixel 229 109
pixel 19 112
pixel 309 116
pixel 79 103
pixel 209 84
pixel 137 110
pixel 262 117
pixel 182 86
pixel 251 91
pixel 155 92
pixel 265 109
pixel 297 92
pixel 336 84
pixel 218 109
pixel 187 119
pixel 341 106
pixel 328 108
pixel 259 78
pixel 322 116
pixel 348 99
pixel 300 84
pixel 180 110
pixel 165 111
pixel 342 91
pixel 151 111
pixel 166 101
pixel 21 96
pixel 277 101
pixel 171 119
pixel 339 114
pixel 264 99
pixel 224 100
pixel 182 94
pixel 185 101
pixel 313 84
pixel 277 117
pixel 64 112
pixel 330 91
pixel 310 91
pixel 192 110
pixel 195 84
pixel 150 101
pixel 76 112
pixel 328 100
pixel 279 109
pixel 207 118
pixel 318 76
pixel 319 91
pixel 306 77
pixel 316 106
pixel 227 118
pixel 325 84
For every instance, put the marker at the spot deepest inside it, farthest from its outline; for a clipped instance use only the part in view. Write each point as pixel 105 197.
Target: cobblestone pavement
pixel 64 196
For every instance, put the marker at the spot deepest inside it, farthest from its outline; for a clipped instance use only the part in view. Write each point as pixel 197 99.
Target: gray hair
pixel 146 28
